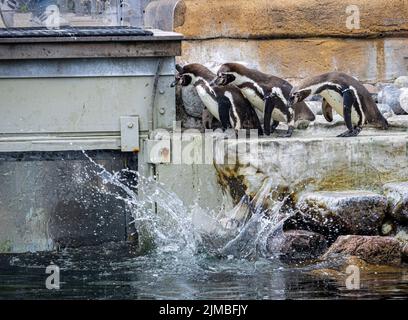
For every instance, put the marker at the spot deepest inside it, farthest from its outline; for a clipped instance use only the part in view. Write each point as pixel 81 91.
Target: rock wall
pixel 297 38
pixel 243 19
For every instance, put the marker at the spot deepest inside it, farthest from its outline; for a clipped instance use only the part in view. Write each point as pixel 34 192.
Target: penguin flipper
pixel 206 119
pixel 327 110
pixel 269 106
pixel 224 106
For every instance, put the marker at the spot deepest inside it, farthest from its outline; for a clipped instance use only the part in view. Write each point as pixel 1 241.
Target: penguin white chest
pixel 253 98
pixel 210 103
pixel 336 101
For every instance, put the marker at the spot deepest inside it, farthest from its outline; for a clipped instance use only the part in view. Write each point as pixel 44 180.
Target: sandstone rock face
pixel 269 36
pixel 397 195
pixel 401 82
pixel 343 212
pixel 272 19
pixel 297 245
pixel 391 95
pixel 371 60
pixel 372 249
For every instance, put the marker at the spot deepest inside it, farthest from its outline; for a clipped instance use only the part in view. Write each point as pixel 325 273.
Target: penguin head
pixel 191 73
pixel 181 77
pixel 298 95
pixel 276 96
pixel 225 75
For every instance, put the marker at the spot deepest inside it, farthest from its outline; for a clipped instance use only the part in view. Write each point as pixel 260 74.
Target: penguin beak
pixel 219 81
pixel 216 81
pixel 174 83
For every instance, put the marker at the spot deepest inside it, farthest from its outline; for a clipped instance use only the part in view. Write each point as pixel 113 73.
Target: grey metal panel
pixel 49 105
pixel 59 143
pixel 68 68
pixel 71 50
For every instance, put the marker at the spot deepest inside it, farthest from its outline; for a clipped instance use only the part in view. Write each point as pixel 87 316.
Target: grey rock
pixel 315 97
pixel 315 106
pixel 343 212
pixel 381 85
pixel 397 196
pixel 192 102
pixel 372 249
pixel 387 228
pixel 403 99
pixel 401 82
pixel 386 110
pixel 297 245
pixel 391 95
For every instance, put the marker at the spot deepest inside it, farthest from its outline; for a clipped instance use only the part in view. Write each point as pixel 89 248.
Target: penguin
pixel 226 104
pixel 267 93
pixel 344 94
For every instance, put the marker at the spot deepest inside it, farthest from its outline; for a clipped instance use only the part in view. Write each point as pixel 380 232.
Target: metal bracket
pixel 129 132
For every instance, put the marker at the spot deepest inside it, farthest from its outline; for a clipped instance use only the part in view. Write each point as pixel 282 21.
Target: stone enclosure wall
pixel 295 39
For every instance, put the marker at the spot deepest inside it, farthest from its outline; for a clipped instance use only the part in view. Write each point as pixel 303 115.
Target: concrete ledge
pixel 319 163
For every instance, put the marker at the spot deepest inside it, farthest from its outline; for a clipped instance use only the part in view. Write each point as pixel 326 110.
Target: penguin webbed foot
pixel 350 133
pixel 288 133
pixel 268 131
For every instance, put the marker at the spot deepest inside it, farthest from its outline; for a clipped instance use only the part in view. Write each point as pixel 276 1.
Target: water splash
pixel 163 221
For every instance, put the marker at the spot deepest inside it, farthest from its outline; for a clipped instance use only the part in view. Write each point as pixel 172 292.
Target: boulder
pixel 192 102
pixel 371 249
pixel 315 106
pixel 401 82
pixel 343 212
pixel 397 197
pixel 391 95
pixel 297 245
pixel 403 99
pixel 385 110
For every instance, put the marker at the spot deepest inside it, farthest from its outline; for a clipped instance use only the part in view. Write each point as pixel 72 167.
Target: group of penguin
pixel 233 94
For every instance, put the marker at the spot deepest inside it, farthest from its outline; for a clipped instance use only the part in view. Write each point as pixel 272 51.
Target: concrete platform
pixel 311 160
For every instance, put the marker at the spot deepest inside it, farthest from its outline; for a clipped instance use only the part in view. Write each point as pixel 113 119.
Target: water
pixel 187 253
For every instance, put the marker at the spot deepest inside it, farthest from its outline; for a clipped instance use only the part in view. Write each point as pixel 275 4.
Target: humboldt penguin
pixel 267 93
pixel 226 104
pixel 344 94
